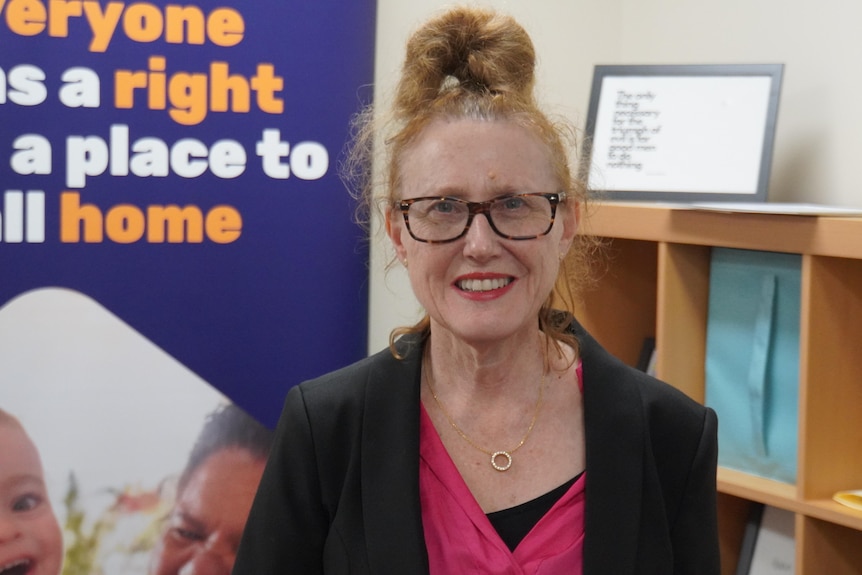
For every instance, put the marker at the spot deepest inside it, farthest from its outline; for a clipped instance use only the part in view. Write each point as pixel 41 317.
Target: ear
pixel 571 223
pixel 395 229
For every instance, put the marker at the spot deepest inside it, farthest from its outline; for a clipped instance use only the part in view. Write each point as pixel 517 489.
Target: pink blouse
pixel 460 538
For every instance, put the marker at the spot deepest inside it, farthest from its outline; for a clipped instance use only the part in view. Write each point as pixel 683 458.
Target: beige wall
pixel 819 135
pixel 819 131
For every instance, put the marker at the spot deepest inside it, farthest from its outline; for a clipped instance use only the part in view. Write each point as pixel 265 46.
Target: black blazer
pixel 340 493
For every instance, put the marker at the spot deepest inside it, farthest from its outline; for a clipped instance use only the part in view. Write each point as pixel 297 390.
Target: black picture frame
pixel 681 133
pixel 749 539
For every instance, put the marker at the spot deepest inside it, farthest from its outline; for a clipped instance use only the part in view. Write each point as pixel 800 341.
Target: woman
pixel 496 436
pixel 214 494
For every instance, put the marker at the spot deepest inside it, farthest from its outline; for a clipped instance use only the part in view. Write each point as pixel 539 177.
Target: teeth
pixel 483 285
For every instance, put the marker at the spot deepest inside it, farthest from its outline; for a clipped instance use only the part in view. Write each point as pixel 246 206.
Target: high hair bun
pixel 470 50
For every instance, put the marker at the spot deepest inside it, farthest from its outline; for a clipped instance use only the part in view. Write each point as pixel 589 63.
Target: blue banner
pixel 177 164
pixel 176 251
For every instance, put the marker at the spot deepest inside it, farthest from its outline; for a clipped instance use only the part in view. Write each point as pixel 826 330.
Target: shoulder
pixel 360 411
pixel 379 374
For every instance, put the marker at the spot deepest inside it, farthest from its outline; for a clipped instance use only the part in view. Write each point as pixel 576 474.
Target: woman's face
pixel 478 161
pixel 205 526
pixel 30 538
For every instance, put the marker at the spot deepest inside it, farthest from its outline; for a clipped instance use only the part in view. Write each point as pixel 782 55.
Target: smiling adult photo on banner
pixel 165 174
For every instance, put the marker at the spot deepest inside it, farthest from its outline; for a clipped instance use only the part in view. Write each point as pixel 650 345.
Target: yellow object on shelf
pixel 850 498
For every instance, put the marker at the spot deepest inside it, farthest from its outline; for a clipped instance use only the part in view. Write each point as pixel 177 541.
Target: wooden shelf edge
pixel 833 512
pixel 816 235
pixel 762 490
pixel 784 496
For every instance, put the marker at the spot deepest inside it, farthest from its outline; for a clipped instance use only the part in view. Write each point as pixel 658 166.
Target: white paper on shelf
pixel 784 208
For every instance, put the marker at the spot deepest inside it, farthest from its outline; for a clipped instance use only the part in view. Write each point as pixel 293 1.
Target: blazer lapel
pixel 390 468
pixel 613 420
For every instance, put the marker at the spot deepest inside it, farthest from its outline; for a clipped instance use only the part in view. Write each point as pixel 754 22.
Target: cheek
pixel 428 271
pixel 47 531
pixel 548 268
pixel 431 263
pixel 167 556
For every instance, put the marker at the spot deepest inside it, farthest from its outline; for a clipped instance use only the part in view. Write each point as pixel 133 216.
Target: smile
pixel 483 285
pixel 16 567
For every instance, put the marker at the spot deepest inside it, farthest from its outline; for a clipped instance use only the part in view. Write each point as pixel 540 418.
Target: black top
pixel 514 523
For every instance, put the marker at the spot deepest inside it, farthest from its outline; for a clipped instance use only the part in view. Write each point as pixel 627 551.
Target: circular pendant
pixel 506 456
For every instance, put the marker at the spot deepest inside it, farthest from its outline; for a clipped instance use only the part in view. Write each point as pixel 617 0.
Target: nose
pixel 481 240
pixel 205 562
pixel 8 529
pixel 215 557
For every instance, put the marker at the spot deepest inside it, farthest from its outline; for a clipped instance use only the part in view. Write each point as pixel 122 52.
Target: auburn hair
pixel 468 63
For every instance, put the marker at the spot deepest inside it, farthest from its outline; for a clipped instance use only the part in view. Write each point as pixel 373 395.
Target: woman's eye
pixel 514 203
pixel 26 502
pixel 444 207
pixel 187 534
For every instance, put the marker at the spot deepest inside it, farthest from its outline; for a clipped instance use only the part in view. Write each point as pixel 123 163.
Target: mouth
pixel 18 567
pixel 478 285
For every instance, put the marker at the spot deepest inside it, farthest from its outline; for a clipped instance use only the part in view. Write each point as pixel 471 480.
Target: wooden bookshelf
pixel 656 284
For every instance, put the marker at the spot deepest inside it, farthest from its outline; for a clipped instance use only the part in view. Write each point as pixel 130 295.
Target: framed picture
pixel 682 133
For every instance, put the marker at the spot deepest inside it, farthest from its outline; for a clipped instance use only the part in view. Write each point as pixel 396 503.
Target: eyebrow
pixel 24 479
pixel 187 517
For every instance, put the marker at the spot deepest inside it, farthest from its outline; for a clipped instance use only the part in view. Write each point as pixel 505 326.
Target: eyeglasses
pixel 437 220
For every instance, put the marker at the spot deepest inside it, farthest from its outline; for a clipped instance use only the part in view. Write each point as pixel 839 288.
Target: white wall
pixel 819 134
pixel 819 131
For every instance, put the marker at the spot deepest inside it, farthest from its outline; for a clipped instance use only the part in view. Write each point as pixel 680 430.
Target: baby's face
pixel 30 539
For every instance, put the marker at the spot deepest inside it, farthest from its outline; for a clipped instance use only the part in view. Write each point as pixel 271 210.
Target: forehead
pixel 225 482
pixel 475 157
pixel 18 455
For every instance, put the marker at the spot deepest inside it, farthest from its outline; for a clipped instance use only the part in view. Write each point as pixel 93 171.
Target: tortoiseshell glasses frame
pixel 443 219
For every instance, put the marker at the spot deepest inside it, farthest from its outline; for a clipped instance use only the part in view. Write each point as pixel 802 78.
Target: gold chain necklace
pixel 506 455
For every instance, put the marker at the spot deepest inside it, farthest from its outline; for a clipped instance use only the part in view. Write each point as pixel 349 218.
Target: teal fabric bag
pixel 752 359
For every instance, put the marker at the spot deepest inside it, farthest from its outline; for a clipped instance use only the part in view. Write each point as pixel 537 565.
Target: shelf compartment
pixel 828 548
pixel 733 516
pixel 620 309
pixel 682 303
pixel 670 246
pixel 830 377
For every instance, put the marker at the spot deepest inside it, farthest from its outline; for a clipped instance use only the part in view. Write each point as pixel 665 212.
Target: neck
pixel 486 370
